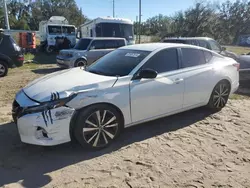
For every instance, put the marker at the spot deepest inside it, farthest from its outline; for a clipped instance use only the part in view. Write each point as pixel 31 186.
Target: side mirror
pixel 223 48
pixel 146 73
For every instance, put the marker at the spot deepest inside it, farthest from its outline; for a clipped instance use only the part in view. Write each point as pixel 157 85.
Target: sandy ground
pixel 191 149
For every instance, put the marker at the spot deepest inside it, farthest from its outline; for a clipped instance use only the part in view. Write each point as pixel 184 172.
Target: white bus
pixel 55 31
pixel 108 27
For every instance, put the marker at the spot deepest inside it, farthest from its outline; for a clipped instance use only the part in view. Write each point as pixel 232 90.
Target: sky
pixel 130 8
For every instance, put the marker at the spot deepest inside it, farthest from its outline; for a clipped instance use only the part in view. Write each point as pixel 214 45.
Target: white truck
pixel 56 34
pixel 108 27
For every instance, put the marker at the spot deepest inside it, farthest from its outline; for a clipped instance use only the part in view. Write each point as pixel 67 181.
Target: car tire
pixel 3 69
pixel 80 63
pixel 220 95
pixel 98 126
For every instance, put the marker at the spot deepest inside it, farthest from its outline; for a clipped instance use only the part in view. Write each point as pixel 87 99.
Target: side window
pixel 120 43
pixel 203 44
pixel 97 44
pixel 192 57
pixel 215 46
pixel 192 42
pixel 110 44
pixel 163 61
pixel 208 56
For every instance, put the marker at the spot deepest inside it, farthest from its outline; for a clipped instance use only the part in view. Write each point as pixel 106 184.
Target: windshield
pixel 118 63
pixel 70 30
pixel 54 29
pixel 115 30
pixel 82 44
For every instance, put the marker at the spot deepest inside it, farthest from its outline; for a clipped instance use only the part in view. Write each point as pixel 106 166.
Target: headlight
pixel 48 105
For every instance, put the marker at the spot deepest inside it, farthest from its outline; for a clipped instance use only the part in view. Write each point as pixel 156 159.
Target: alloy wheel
pixel 100 128
pixel 220 96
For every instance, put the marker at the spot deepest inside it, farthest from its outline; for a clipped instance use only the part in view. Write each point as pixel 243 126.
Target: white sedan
pixel 130 85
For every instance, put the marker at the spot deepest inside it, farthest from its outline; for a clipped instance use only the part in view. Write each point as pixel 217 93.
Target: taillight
pixel 237 65
pixel 20 58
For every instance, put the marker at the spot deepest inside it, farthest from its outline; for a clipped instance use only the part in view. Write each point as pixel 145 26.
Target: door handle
pixel 178 80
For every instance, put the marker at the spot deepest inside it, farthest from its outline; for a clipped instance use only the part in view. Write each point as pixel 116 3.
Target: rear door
pixel 198 74
pixel 96 51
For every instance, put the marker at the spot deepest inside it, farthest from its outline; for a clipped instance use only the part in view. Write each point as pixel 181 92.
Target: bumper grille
pixel 16 110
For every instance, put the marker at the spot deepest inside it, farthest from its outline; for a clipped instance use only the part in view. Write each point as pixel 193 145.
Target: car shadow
pixel 30 163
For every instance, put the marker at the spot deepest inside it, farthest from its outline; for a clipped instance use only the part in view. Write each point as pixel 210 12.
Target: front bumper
pixel 65 62
pixel 39 129
pixel 46 128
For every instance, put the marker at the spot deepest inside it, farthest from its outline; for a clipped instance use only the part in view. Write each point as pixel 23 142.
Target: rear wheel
pixel 80 63
pixel 98 126
pixel 3 69
pixel 220 95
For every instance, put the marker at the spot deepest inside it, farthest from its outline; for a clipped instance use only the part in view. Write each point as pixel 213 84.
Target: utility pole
pixel 139 21
pixel 113 8
pixel 136 28
pixel 7 25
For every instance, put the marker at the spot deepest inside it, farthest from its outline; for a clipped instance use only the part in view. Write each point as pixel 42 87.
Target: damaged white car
pixel 130 85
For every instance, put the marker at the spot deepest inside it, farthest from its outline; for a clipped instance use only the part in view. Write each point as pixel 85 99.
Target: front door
pixel 151 98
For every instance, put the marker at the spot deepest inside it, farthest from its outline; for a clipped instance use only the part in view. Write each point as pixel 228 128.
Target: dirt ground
pixel 191 149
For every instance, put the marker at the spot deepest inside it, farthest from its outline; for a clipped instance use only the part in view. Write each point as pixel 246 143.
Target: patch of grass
pixel 40 58
pixel 29 57
pixel 238 50
pixel 30 65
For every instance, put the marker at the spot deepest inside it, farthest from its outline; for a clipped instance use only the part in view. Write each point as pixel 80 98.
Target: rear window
pixel 192 57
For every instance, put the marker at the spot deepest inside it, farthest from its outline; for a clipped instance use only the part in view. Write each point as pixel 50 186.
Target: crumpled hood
pixel 62 83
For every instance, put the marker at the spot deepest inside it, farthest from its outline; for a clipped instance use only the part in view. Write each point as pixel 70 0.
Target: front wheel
pixel 219 96
pixel 80 63
pixel 98 126
pixel 3 69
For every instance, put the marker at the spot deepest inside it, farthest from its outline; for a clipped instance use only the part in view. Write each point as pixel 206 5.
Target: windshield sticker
pixel 132 55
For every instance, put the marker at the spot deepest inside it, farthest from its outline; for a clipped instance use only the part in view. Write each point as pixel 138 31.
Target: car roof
pixel 188 38
pixel 103 38
pixel 156 46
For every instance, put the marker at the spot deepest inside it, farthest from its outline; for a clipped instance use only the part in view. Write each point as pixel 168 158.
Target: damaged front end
pixel 45 123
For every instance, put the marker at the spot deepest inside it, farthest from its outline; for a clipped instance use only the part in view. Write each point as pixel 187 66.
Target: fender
pixel 6 59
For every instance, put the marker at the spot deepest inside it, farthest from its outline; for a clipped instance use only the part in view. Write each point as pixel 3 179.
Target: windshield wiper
pixel 96 72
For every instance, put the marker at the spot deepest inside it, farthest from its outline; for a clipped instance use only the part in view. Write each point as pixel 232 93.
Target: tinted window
pixel 118 63
pixel 120 43
pixel 98 44
pixel 109 44
pixel 214 46
pixel 163 61
pixel 192 57
pixel 203 44
pixel 192 42
pixel 82 44
pixel 208 56
pixel 175 41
